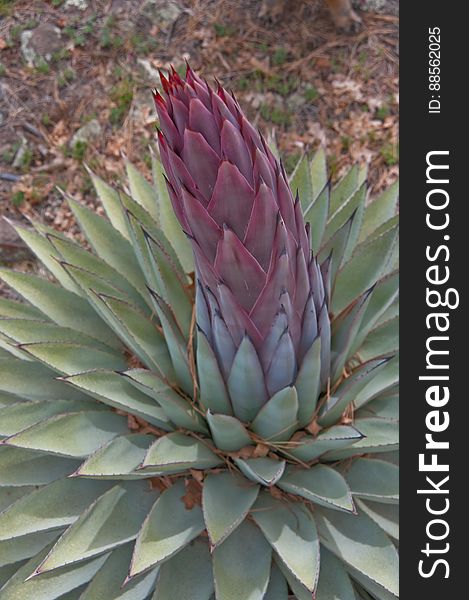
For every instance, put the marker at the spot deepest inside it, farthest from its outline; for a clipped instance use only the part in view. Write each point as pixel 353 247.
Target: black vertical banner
pixel 435 324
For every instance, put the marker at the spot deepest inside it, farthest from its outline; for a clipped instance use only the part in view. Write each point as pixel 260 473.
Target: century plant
pixel 204 403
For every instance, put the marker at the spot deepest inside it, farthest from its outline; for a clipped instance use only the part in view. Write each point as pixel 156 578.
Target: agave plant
pixel 203 403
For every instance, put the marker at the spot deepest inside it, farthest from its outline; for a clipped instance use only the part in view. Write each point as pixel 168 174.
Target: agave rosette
pixel 205 403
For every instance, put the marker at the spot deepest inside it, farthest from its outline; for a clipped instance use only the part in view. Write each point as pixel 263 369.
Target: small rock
pixel 80 4
pixel 40 43
pixel 118 6
pixel 90 131
pixel 28 53
pixel 296 101
pixel 162 13
pixel 142 106
pixel 151 74
pixel 18 160
pixel 388 7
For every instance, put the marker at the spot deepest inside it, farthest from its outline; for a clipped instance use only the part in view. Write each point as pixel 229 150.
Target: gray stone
pixel 89 132
pixel 151 74
pixel 40 43
pixel 142 106
pixel 387 7
pixel 27 51
pixel 18 160
pixel 296 101
pixel 79 4
pixel 161 13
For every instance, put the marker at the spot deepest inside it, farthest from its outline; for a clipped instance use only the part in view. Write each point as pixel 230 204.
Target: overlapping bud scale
pixel 257 278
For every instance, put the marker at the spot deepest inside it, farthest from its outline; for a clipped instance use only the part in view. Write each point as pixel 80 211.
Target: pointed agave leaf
pixel 48 255
pixel 318 169
pixel 344 189
pixel 19 416
pixel 50 507
pixel 348 391
pixel 385 515
pixel 320 484
pixel 366 587
pixel 228 433
pixel 74 255
pixel 316 216
pixel 246 382
pixel 8 495
pixel 24 547
pixel 266 471
pixel 372 479
pixel 110 521
pixel 334 583
pixel 361 544
pixel 355 206
pixel 109 244
pixel 380 210
pixel 71 358
pixel 142 251
pixel 299 590
pixel 386 379
pixel 178 409
pixel 226 501
pixel 8 399
pixel 141 334
pixel 333 438
pixel 115 390
pixel 169 527
pixel 187 576
pixel 109 198
pixel 140 221
pixel 383 339
pixel 278 418
pixel 366 266
pixel 34 381
pixel 177 345
pixel 142 191
pixel 63 307
pixel 179 452
pixel 50 585
pixel 117 459
pixel 108 582
pixel 213 394
pixel 385 407
pixel 335 248
pixel 173 290
pixel 278 588
pixel 7 350
pixel 384 293
pixel 94 287
pixel 241 565
pixel 291 532
pixel 300 182
pixel 30 331
pixel 168 221
pixel 72 435
pixel 19 310
pixel 344 330
pixel 8 571
pixel 19 467
pixel 379 435
pixel 308 382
